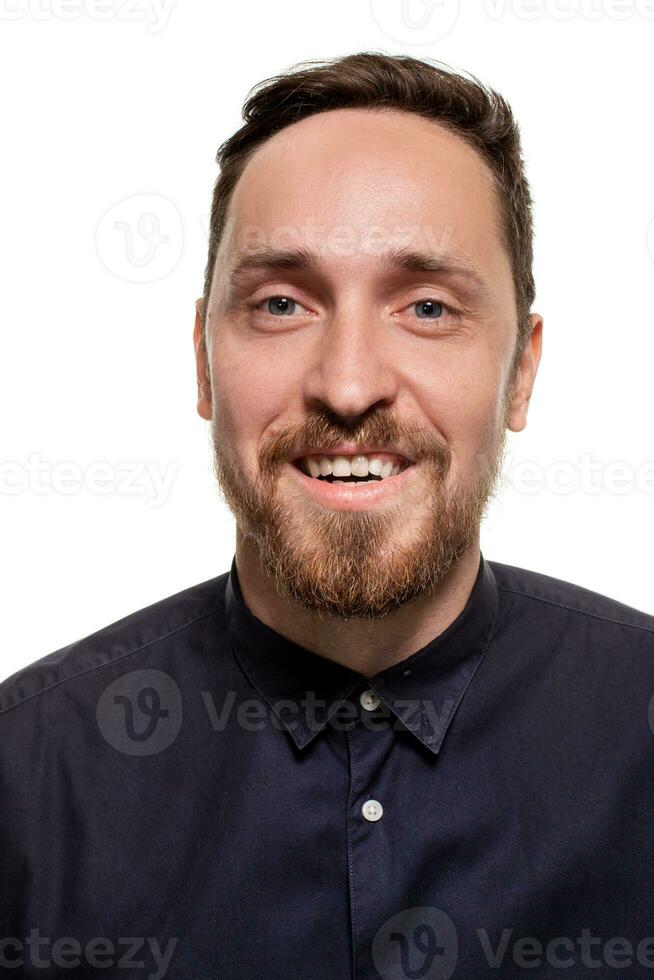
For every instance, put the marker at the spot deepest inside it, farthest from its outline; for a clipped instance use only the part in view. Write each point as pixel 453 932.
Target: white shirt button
pixel 372 810
pixel 369 700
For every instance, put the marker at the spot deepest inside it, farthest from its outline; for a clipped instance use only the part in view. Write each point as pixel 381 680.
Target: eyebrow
pixel 393 260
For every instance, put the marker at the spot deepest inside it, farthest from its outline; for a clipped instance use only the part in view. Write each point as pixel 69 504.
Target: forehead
pixel 357 178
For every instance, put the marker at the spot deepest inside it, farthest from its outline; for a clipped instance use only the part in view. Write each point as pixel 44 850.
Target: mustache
pixel 381 429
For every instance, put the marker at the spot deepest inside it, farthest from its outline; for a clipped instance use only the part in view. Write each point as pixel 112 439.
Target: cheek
pixel 249 394
pixel 462 401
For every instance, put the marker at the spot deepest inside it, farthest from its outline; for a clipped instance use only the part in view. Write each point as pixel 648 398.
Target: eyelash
pixel 447 308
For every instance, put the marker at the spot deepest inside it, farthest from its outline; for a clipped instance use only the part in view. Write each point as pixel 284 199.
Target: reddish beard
pixel 356 563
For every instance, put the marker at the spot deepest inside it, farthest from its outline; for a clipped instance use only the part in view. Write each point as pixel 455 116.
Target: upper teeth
pixel 351 466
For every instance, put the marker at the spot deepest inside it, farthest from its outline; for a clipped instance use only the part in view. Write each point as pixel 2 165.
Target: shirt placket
pixel 370 844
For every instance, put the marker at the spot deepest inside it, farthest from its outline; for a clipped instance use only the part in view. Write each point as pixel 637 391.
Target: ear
pixel 525 376
pixel 202 365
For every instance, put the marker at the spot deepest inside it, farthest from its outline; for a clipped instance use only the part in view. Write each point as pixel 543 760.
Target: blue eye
pixel 282 305
pixel 431 309
pixel 279 306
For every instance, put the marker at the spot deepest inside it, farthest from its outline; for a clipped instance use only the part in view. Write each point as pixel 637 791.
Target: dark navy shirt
pixel 186 793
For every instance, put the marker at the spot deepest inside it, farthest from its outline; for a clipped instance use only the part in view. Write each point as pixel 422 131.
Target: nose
pixel 352 368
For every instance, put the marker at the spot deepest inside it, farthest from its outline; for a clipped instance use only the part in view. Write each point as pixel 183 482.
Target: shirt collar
pixel 423 691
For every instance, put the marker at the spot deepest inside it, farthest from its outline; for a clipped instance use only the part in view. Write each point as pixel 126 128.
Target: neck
pixel 362 645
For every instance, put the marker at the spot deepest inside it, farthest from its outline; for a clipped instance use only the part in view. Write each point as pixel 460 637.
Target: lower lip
pixel 359 496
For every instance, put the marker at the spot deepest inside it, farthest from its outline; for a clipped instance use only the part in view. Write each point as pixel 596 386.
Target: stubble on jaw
pixel 356 563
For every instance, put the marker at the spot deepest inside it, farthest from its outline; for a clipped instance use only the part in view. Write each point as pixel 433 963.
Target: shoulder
pixel 142 631
pixel 557 600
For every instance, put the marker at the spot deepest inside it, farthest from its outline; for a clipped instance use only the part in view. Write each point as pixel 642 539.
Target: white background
pixel 108 101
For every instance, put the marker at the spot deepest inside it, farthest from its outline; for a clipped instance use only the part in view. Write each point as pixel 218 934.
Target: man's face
pixel 354 349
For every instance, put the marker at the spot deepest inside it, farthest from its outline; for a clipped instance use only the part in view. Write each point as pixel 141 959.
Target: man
pixel 365 751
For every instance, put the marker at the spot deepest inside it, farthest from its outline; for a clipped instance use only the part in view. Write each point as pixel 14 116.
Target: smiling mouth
pixel 357 469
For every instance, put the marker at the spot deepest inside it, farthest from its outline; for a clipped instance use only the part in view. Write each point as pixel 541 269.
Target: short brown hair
pixel 370 80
